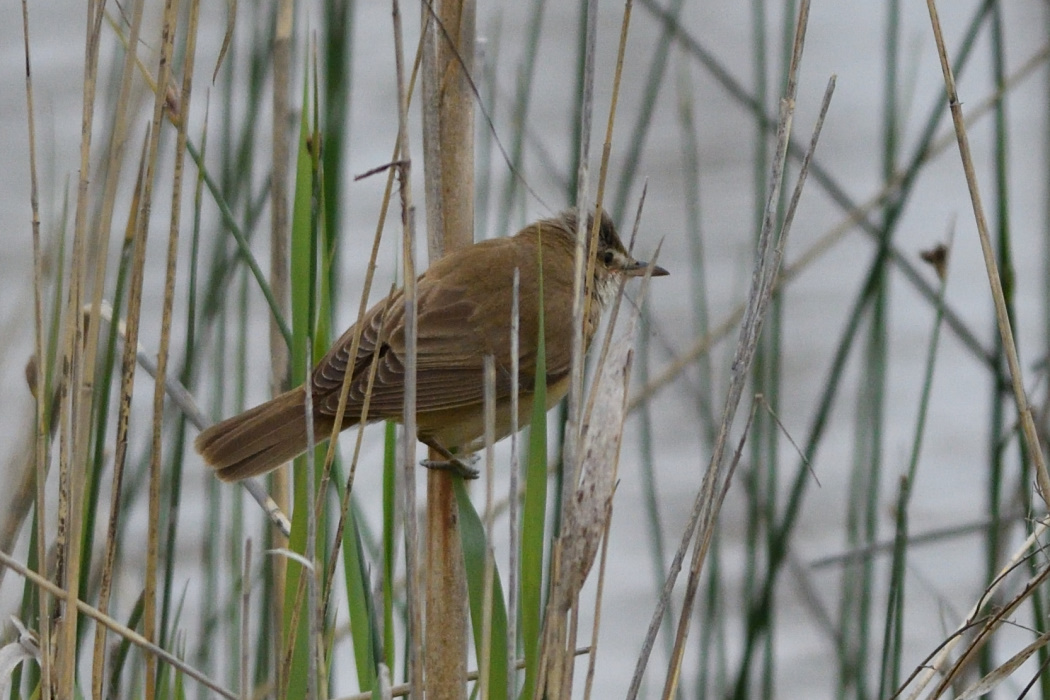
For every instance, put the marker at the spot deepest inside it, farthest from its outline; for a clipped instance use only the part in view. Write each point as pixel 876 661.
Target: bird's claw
pixel 455 465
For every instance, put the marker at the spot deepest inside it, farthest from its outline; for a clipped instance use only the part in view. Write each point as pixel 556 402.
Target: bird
pixel 464 303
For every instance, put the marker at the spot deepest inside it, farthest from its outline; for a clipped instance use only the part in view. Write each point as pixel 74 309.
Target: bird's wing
pixel 327 378
pixel 450 351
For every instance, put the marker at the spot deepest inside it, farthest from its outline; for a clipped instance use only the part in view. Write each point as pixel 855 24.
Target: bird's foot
pixel 456 465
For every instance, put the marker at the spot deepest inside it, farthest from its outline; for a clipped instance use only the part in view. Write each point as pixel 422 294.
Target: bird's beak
pixel 637 268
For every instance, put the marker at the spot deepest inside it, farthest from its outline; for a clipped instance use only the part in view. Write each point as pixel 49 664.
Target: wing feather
pixel 464 314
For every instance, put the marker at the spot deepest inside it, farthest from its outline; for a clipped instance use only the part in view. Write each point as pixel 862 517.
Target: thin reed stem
pixel 991 266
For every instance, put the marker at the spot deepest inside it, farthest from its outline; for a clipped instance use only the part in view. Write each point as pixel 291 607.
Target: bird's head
pixel 612 262
pixel 613 259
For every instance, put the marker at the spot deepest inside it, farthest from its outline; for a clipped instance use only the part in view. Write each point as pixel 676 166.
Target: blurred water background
pixel 847 39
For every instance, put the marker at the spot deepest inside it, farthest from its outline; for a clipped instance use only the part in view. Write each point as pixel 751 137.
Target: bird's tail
pixel 260 439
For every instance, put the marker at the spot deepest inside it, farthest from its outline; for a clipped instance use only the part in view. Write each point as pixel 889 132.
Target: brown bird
pixel 464 313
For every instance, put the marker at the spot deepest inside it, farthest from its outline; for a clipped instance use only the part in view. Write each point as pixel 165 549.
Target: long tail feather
pixel 260 439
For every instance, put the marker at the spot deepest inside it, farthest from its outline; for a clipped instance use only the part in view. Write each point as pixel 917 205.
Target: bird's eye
pixel 607 258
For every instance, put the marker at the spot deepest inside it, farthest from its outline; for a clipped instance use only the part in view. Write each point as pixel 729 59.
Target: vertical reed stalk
pixel 448 142
pixel 414 596
pixel 39 388
pixel 116 158
pixel 160 113
pixel 72 411
pixel 280 234
pixel 514 544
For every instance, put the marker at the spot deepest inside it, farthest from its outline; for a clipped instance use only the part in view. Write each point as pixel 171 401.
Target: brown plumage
pixel 464 311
